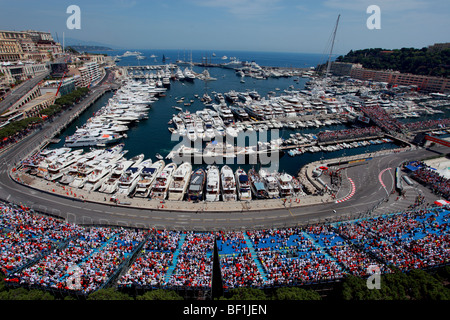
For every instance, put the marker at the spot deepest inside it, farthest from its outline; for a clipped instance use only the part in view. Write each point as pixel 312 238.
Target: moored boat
pixel 212 183
pixel 180 182
pixel 228 184
pixel 243 185
pixel 196 185
pixel 160 185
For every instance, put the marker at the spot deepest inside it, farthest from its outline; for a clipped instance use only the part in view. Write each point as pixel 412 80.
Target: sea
pixel 151 136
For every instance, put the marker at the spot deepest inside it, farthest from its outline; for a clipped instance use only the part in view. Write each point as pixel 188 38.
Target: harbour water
pixel 151 136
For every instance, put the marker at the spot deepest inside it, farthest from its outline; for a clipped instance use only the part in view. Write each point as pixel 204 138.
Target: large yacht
pixel 160 185
pixel 297 185
pixel 285 185
pixel 83 173
pixel 196 184
pixel 228 182
pixel 98 176
pixel 129 179
pixel 257 184
pixel 243 185
pixel 188 74
pixel 212 183
pixel 148 175
pixel 94 139
pixel 57 168
pixel 112 183
pixel 180 181
pixel 270 182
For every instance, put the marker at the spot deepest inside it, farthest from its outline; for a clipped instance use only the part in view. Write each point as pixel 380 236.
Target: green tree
pixel 25 294
pixel 246 294
pixel 160 294
pixel 108 294
pixel 295 294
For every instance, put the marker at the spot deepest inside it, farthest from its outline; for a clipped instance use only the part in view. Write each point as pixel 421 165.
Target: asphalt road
pixel 20 91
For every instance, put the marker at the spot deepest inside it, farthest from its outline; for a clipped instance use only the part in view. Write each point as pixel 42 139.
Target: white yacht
pixel 98 176
pixel 188 74
pixel 285 185
pixel 243 185
pixel 228 183
pixel 94 139
pixel 231 132
pixel 160 185
pixel 112 183
pixel 199 130
pixel 192 134
pixel 130 178
pixel 57 169
pixel 83 173
pixel 297 186
pixel 270 182
pixel 212 183
pixel 179 74
pixel 147 177
pixel 180 182
pixel 209 133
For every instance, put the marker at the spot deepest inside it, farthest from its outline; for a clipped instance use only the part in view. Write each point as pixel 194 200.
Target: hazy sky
pixel 253 25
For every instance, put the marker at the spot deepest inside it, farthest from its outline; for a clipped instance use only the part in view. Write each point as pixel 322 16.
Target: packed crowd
pixel 382 119
pixel 353 133
pixel 150 268
pixel 89 260
pixel 430 177
pixel 194 263
pixel 237 264
pixel 354 261
pixel 309 266
pixel 40 251
pixel 429 124
pixel 403 240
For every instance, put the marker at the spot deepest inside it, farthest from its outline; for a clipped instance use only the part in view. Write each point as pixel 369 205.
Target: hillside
pixel 406 60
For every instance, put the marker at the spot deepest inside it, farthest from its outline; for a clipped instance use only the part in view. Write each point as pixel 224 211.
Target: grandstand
pixel 38 251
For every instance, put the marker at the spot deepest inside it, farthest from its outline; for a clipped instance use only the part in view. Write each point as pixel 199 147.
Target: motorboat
pixel 257 184
pixel 228 184
pixel 130 178
pixel 147 176
pixel 94 139
pixel 112 183
pixel 98 176
pixel 297 186
pixel 212 183
pixel 180 182
pixel 160 185
pixel 243 185
pixel 196 184
pixel 83 173
pixel 270 182
pixel 191 134
pixel 285 185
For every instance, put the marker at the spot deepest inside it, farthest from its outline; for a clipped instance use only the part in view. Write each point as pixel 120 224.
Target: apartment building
pixel 422 82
